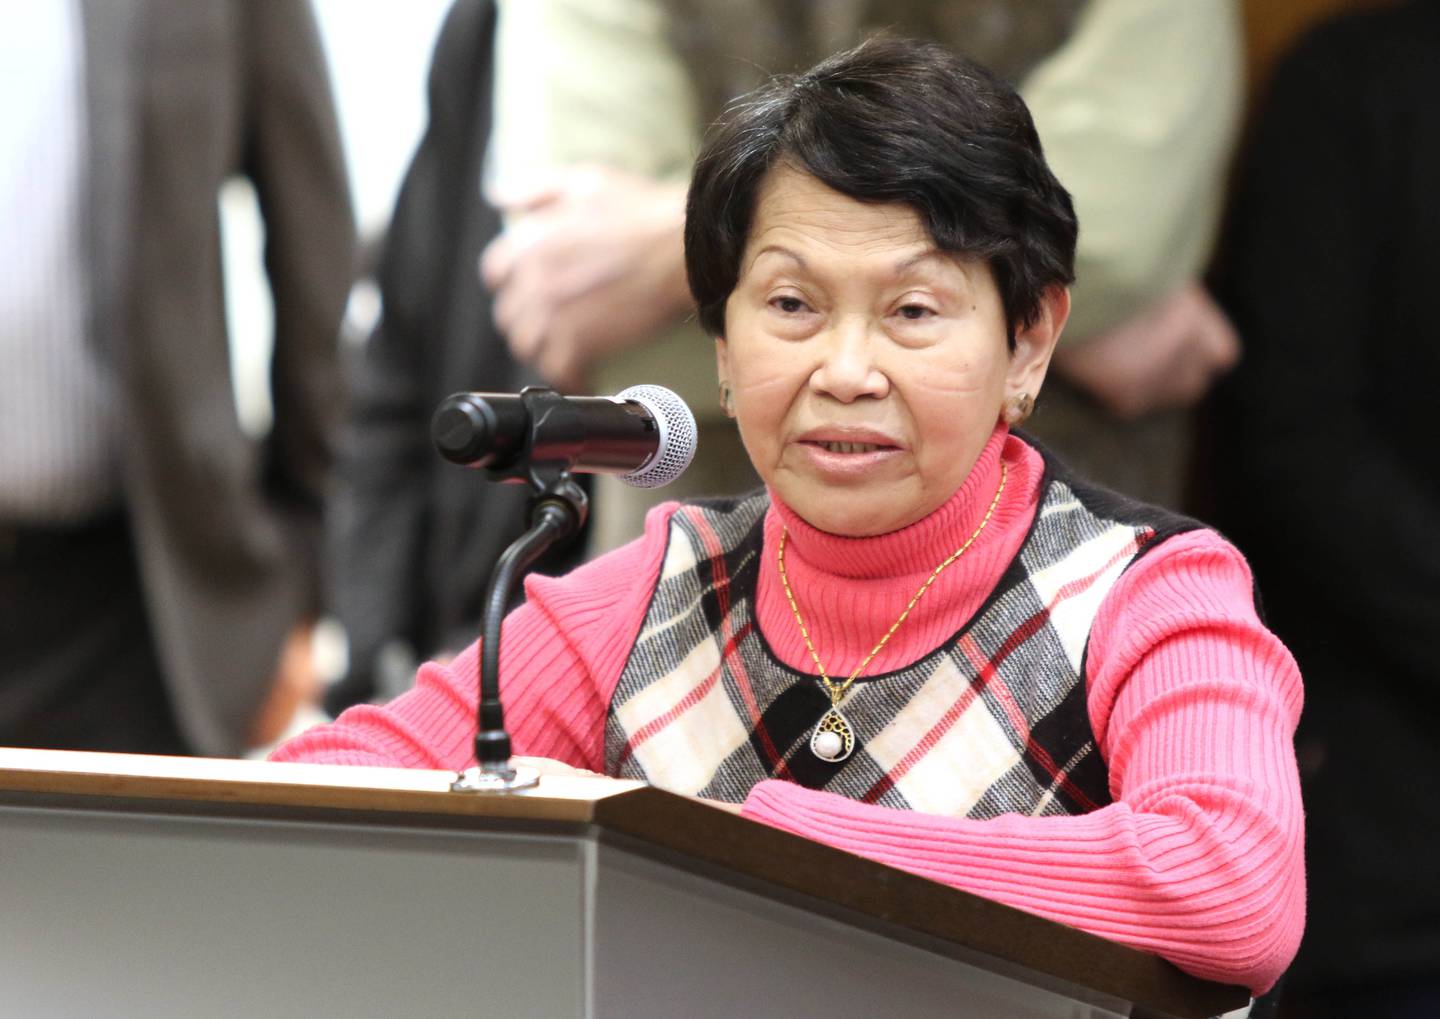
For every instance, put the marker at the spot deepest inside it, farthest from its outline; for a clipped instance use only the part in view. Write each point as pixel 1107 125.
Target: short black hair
pixel 892 120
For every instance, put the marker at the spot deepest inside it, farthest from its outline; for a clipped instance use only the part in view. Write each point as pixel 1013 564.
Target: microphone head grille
pixel 678 436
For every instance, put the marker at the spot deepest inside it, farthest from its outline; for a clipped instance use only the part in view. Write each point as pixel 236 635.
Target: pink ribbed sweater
pixel 1194 704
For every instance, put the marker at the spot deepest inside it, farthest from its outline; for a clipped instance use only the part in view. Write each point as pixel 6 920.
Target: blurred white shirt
pixel 57 432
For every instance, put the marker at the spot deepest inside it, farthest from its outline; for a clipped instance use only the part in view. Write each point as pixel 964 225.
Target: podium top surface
pixel 325 787
pixel 676 828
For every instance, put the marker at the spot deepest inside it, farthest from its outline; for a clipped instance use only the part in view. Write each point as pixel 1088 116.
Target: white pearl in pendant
pixel 828 745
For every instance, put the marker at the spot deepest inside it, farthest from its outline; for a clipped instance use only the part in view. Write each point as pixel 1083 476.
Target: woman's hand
pixel 550 766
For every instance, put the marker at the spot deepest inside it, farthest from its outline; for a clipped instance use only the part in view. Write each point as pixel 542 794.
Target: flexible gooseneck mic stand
pixel 557 511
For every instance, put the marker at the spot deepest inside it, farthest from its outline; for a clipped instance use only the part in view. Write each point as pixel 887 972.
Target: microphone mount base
pixel 507 780
pixel 557 512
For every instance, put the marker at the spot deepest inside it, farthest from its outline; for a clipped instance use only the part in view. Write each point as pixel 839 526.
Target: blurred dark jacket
pixel 413 538
pixel 1331 473
pixel 181 97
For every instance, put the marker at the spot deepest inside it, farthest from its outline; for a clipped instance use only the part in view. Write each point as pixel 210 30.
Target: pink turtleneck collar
pixel 850 590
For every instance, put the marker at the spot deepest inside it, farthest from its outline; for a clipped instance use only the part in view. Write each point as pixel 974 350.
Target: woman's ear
pixel 1035 344
pixel 722 372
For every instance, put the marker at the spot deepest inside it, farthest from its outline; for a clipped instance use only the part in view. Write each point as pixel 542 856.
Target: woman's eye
pixel 788 305
pixel 915 312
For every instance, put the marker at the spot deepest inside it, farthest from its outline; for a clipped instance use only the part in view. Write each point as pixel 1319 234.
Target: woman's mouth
pixel 845 460
pixel 851 447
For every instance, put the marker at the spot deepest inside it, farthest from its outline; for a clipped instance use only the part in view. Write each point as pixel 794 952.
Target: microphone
pixel 645 434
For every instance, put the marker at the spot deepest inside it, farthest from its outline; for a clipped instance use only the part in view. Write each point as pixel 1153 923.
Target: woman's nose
pixel 848 369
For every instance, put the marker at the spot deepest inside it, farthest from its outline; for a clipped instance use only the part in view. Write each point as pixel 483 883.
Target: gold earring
pixel 1018 408
pixel 727 402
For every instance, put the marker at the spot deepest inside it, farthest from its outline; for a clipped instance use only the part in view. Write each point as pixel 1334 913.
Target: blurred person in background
pixel 412 538
pixel 158 567
pixel 1330 484
pixel 599 107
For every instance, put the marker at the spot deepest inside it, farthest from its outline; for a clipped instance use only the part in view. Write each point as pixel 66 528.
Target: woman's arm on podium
pixel 1199 858
pixel 561 655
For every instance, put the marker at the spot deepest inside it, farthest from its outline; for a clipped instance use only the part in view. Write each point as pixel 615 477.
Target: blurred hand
pixel 550 766
pixel 591 263
pixel 296 685
pixel 1166 356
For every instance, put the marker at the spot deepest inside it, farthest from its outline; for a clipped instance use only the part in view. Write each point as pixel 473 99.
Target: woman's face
pixel 868 368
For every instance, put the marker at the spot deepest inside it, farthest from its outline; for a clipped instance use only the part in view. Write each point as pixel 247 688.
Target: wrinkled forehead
pixel 800 222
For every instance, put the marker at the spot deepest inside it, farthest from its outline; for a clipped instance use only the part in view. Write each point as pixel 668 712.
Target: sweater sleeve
pixel 1199 858
pixel 561 655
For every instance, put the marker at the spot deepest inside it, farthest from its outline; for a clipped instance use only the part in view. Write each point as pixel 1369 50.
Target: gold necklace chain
pixel 838 691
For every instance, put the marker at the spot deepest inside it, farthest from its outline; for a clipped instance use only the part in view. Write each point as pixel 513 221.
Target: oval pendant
pixel 833 740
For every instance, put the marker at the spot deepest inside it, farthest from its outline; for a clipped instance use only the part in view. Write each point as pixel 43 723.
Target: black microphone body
pixel 595 434
pixel 647 437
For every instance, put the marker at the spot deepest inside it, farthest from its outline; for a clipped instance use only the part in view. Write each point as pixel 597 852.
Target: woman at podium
pixel 924 641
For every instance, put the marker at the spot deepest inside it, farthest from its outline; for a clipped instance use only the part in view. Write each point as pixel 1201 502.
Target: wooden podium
pixel 157 887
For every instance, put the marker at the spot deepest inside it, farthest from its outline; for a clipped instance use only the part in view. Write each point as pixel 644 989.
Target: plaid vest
pixel 992 722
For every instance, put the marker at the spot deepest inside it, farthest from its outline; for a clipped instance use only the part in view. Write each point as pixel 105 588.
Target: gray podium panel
pixel 133 915
pixel 157 888
pixel 671 943
pixel 112 915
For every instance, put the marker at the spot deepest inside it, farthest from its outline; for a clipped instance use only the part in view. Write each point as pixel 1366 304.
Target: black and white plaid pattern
pixel 993 722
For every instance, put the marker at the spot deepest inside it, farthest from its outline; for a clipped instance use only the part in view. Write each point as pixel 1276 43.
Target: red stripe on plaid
pixel 774 763
pixel 1069 766
pixel 715 553
pixel 1059 776
pixel 996 684
pixel 986 671
pixel 697 693
pixel 924 746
